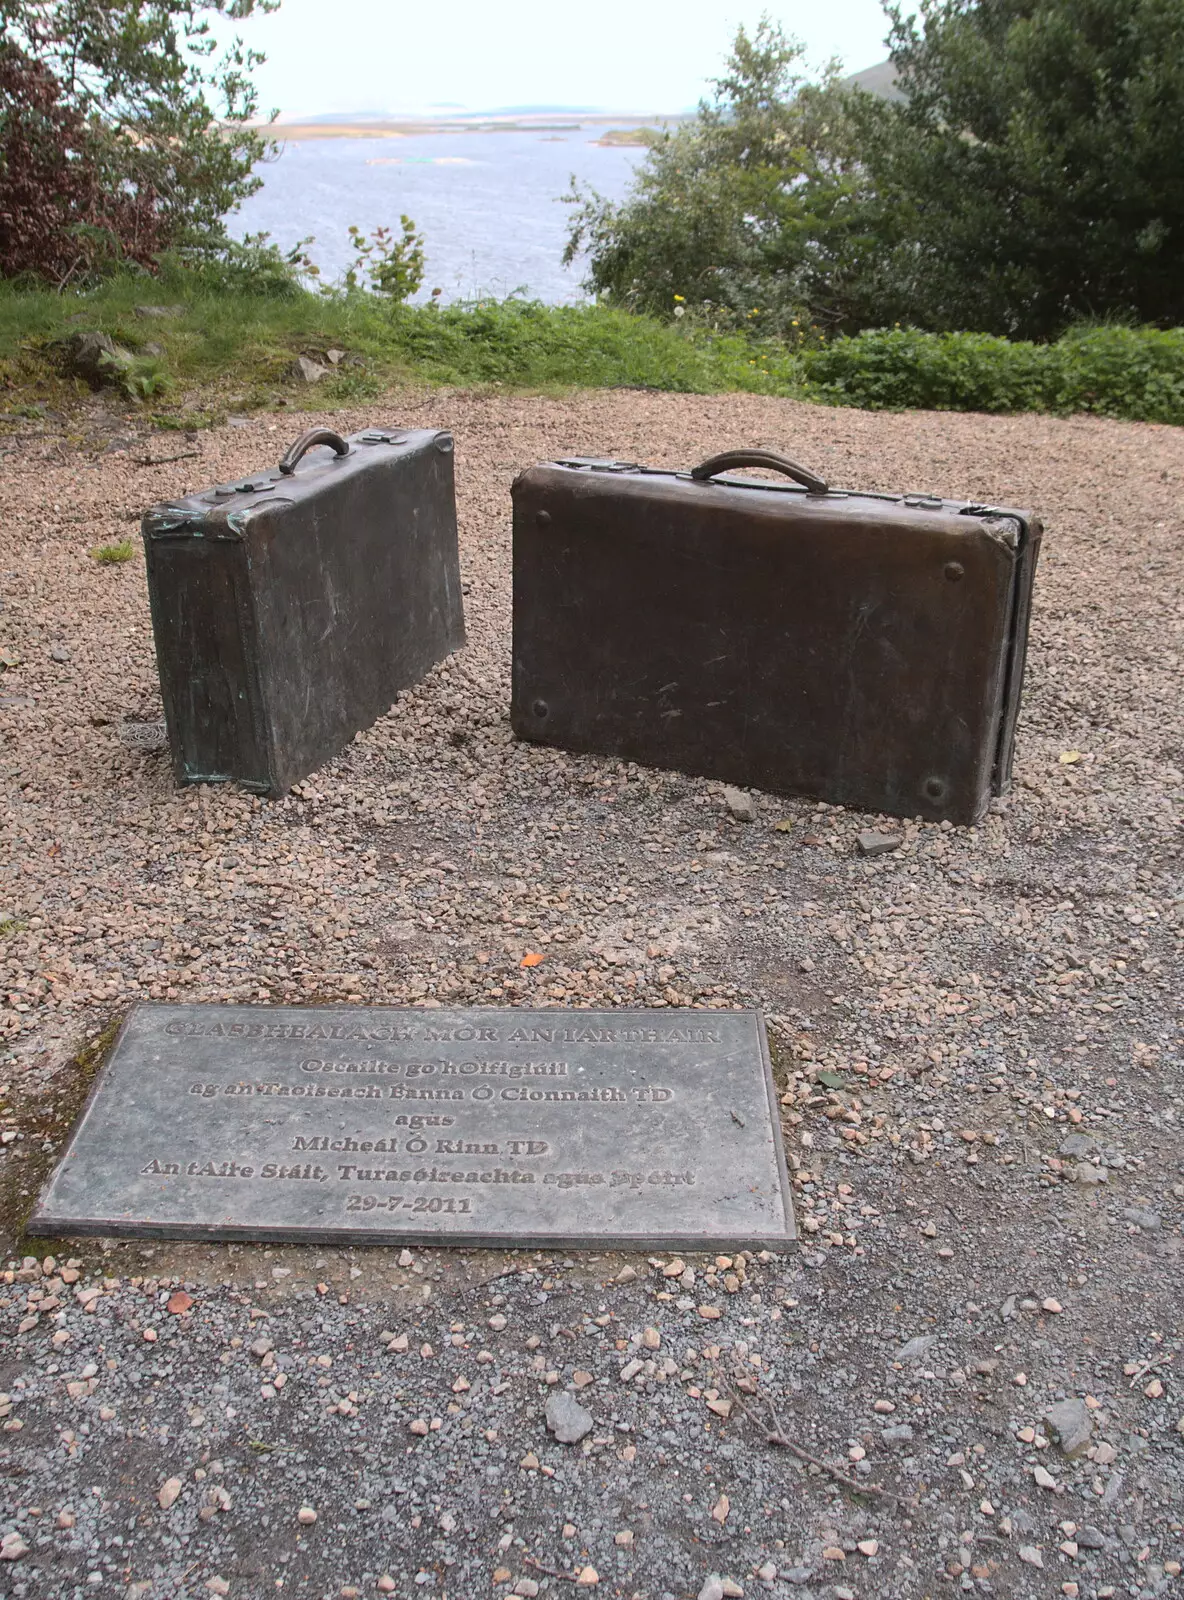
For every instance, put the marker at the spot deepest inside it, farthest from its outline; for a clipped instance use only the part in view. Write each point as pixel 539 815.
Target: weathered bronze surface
pixel 867 650
pixel 364 1123
pixel 291 607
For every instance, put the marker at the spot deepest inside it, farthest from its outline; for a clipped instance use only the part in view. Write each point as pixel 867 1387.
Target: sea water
pixel 488 204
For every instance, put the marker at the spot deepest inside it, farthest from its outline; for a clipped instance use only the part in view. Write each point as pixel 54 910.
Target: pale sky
pixel 622 55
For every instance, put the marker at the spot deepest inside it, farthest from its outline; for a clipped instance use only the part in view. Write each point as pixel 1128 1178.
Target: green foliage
pixel 1136 373
pixel 391 265
pixel 137 377
pixel 1030 180
pixel 243 345
pixel 904 367
pixel 113 555
pixel 144 378
pixel 750 213
pixel 1033 171
pixel 1133 373
pixel 526 344
pixel 234 353
pixel 249 266
pixel 140 98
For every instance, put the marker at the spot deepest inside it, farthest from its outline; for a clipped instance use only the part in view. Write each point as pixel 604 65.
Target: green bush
pixel 1134 373
pixel 391 264
pixel 251 266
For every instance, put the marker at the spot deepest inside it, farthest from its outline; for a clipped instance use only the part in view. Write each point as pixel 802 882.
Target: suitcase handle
pixel 307 441
pixel 759 458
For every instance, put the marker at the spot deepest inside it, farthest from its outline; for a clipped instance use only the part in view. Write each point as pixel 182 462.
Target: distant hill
pixel 339 116
pixel 541 111
pixel 443 108
pixel 879 80
pixel 621 127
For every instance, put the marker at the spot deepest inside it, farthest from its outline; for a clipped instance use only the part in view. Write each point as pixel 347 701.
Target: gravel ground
pixel 977 1039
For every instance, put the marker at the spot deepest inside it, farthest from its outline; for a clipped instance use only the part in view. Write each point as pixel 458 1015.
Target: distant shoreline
pixel 403 128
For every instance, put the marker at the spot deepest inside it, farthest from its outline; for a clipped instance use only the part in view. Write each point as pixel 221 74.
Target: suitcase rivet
pixel 540 707
pixel 935 788
pixel 542 518
pixel 954 570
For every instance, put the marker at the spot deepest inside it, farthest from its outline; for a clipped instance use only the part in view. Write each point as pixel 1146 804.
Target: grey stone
pixel 59 653
pixel 1070 1424
pixel 307 371
pixel 916 1348
pixel 740 804
pixel 713 1588
pixel 94 356
pixel 1086 1172
pixel 1090 1538
pixel 567 1419
pixel 630 1129
pixel 160 312
pixel 899 1433
pixel 1078 1144
pixel 1149 1221
pixel 878 844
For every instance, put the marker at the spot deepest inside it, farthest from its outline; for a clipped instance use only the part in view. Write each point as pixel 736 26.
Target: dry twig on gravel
pixel 163 461
pixel 551 1572
pixel 775 1434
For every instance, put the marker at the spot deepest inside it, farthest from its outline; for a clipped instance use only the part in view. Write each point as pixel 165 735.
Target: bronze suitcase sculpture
pixel 291 607
pixel 863 649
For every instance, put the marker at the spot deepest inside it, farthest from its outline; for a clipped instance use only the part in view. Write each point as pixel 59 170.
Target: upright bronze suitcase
pixel 864 649
pixel 291 607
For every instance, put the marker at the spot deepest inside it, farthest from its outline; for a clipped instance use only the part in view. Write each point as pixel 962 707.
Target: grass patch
pixel 216 352
pixel 111 555
pixel 221 352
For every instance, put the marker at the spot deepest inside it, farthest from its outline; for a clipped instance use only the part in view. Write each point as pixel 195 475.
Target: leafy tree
pixel 1035 163
pixel 122 130
pixel 1030 178
pixel 757 209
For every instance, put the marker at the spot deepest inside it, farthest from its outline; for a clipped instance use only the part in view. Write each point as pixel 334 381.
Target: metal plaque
pixel 344 1124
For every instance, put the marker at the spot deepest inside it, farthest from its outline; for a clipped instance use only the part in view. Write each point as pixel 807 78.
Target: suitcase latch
pixel 226 491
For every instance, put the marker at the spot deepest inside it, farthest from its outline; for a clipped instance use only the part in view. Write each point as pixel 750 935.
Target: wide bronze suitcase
pixel 863 649
pixel 291 607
